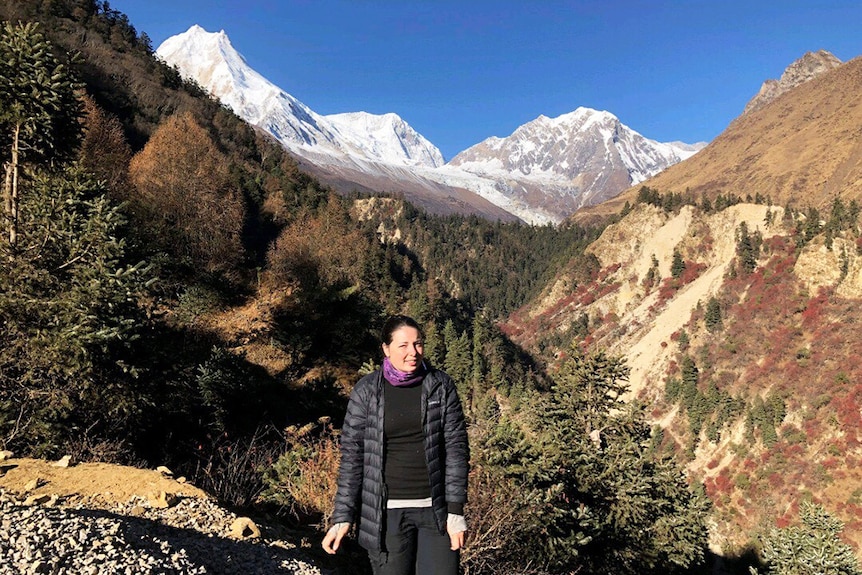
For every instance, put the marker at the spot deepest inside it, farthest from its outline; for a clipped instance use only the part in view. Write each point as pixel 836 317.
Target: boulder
pixel 244 528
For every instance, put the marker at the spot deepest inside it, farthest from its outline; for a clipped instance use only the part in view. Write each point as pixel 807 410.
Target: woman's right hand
pixel 333 537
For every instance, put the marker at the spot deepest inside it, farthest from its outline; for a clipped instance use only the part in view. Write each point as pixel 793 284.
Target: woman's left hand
pixel 457 538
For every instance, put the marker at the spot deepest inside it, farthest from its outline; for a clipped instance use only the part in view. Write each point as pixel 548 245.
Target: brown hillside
pixel 804 148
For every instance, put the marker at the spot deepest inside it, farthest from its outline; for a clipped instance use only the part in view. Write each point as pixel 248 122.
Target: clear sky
pixel 460 71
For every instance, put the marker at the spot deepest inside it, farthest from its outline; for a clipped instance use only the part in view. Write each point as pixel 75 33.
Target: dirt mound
pixel 110 484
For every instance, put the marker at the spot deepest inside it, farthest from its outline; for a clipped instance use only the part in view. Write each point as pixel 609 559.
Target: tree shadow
pixel 737 564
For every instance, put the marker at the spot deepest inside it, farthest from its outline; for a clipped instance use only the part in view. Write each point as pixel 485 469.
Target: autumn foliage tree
pixel 320 250
pixel 104 150
pixel 185 199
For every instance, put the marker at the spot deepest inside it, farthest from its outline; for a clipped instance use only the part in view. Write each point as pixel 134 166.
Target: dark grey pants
pixel 414 546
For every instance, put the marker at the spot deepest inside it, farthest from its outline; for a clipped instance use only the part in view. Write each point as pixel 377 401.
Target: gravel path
pixel 192 537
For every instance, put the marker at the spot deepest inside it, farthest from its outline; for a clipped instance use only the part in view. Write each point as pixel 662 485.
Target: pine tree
pixel 459 366
pixel 68 312
pixel 603 503
pixel 433 344
pixel 677 266
pixel 746 249
pixel 449 338
pixel 480 339
pixel 811 548
pixel 712 317
pixel 39 111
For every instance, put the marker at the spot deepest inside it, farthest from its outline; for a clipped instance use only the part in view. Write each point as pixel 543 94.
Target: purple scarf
pixel 400 378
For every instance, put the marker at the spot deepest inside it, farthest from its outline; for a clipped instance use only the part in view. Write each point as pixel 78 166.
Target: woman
pixel 404 462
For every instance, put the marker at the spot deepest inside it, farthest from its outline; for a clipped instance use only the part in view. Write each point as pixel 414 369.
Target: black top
pixel 404 469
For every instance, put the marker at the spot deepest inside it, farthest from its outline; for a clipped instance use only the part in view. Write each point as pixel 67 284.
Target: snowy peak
pixel 392 139
pixel 210 60
pixel 570 147
pixel 544 171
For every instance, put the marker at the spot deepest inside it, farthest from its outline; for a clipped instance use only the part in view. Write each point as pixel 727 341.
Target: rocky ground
pixel 107 519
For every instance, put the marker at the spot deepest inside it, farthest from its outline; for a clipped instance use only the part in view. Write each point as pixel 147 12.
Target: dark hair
pixel 395 323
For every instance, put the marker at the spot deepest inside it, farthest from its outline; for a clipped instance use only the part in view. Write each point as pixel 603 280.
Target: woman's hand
pixel 456 527
pixel 457 539
pixel 333 537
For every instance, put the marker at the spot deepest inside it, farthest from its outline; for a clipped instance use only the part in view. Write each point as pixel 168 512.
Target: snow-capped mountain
pixel 577 159
pixel 210 59
pixel 543 172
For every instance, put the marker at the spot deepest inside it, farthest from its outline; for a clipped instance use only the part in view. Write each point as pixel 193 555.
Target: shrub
pixel 303 480
pixel 233 469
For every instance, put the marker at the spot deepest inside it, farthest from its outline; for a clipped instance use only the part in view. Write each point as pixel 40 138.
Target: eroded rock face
pixel 811 65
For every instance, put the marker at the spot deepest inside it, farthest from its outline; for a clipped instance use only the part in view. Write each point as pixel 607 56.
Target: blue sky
pixel 461 71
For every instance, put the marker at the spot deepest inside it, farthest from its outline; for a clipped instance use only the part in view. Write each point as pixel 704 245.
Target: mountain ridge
pixel 806 68
pixel 802 149
pixel 376 150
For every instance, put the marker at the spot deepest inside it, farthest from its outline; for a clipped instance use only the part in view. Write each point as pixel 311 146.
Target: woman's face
pixel 405 351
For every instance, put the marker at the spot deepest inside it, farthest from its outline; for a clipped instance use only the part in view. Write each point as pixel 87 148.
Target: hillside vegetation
pixel 739 325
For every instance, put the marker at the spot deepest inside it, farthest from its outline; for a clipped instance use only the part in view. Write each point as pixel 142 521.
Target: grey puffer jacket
pixel 361 495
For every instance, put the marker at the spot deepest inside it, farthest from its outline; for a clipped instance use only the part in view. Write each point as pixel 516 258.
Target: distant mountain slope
pixel 804 148
pixel 541 173
pixel 352 151
pixel 212 61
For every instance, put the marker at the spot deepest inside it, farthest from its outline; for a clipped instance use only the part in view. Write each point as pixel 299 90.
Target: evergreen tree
pixel 677 266
pixel 812 225
pixel 712 318
pixel 603 503
pixel 745 249
pixel 68 311
pixel 480 339
pixel 433 344
pixel 811 548
pixel 39 111
pixel 449 338
pixel 690 375
pixel 459 366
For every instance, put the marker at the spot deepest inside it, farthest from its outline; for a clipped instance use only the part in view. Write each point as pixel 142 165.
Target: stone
pixel 181 479
pixel 164 471
pixel 32 485
pixel 244 528
pixel 137 511
pixel 64 461
pixel 163 500
pixel 5 454
pixel 37 499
